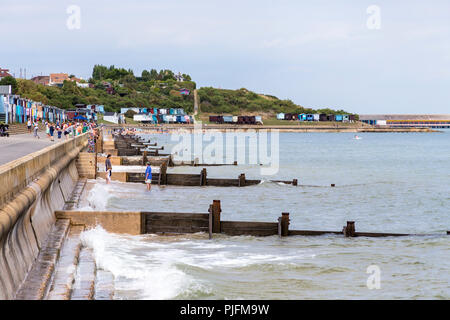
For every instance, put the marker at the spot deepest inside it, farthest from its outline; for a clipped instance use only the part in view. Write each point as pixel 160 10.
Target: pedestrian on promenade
pixel 65 130
pixel 29 125
pixel 36 128
pixel 58 129
pixel 47 129
pixel 148 176
pixel 108 167
pixel 52 130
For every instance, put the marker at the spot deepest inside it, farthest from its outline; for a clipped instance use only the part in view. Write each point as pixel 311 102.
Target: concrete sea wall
pixel 31 189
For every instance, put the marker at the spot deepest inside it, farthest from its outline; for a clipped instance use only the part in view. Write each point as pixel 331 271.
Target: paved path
pixel 17 146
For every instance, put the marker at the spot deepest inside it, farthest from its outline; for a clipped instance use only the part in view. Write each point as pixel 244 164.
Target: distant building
pixel 179 77
pixel 4 73
pixel 58 78
pixel 111 117
pixel 44 80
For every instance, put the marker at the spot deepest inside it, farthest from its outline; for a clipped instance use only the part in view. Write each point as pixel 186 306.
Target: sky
pixel 362 56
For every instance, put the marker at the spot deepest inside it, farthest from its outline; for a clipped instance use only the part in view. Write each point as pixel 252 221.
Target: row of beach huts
pixel 317 117
pixel 159 115
pixel 236 119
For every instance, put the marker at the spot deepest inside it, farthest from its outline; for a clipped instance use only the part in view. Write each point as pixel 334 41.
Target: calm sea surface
pixel 386 182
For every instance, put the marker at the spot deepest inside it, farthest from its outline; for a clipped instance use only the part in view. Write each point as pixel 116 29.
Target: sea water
pixel 386 182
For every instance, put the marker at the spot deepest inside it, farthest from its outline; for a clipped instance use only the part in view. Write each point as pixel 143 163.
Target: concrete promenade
pixel 17 146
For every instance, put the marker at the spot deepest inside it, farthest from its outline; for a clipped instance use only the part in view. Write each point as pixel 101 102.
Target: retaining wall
pixel 31 189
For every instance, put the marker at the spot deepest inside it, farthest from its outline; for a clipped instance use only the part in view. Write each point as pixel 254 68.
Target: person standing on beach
pixel 108 167
pixel 148 176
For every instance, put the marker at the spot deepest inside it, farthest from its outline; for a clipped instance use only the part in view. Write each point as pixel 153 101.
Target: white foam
pixel 140 266
pixel 99 196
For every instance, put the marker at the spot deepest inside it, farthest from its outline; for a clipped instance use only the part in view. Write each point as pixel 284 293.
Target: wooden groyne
pixel 128 152
pixel 169 223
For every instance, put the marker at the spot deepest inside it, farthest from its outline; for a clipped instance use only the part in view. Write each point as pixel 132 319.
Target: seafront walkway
pixel 17 146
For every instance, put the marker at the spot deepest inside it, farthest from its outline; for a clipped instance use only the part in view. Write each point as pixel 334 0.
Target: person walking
pixel 35 129
pixel 148 176
pixel 47 130
pixel 29 125
pixel 52 130
pixel 108 167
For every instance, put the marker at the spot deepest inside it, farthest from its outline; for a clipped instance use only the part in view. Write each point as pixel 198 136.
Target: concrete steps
pixel 21 128
pixel 86 165
pixel 65 271
pixel 104 285
pixel 74 200
pixel 38 280
pixel 84 285
pixel 64 268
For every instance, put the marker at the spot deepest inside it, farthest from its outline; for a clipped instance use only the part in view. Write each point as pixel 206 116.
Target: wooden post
pixel 294 182
pixel 203 177
pixel 349 230
pixel 284 224
pixel 216 210
pixel 210 221
pixel 162 174
pixel 242 180
pixel 144 159
pixel 279 227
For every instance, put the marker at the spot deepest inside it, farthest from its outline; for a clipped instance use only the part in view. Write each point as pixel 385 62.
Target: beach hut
pixel 338 118
pixel 228 119
pixel 345 118
pixel 258 120
pixel 235 119
pixel 351 118
pixel 309 117
pixel 330 117
pixel 316 117
pixel 302 117
pixel 323 117
pixel 251 120
pixel 288 116
pixel 280 116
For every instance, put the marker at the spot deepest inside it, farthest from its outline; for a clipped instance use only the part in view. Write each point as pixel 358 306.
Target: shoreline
pixel 280 128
